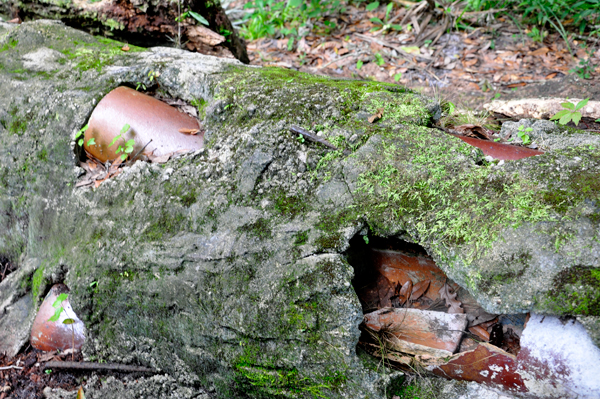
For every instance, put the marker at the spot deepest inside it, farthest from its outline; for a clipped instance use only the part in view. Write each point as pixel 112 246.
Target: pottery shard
pixel 436 330
pixel 152 123
pixel 56 335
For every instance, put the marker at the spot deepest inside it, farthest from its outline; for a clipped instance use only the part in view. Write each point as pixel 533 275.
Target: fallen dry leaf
pixel 474 131
pixel 480 332
pixel 405 291
pixel 419 289
pixel 80 394
pixel 125 48
pixel 453 305
pixel 378 115
pixel 189 131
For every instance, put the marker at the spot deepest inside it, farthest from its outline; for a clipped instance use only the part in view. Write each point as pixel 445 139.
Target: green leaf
pixel 68 321
pixel 568 105
pixel 565 119
pixel 295 3
pixel 114 140
pixel 91 141
pixel 397 76
pixel 560 114
pixel 123 157
pixel 80 142
pixel 497 140
pixel 120 149
pixel 125 128
pixel 198 18
pixel 598 120
pixel 396 27
pixel 576 117
pixel 359 64
pixel 376 20
pixel 82 130
pixel 56 314
pixel 581 104
pixel 372 6
pixel 59 300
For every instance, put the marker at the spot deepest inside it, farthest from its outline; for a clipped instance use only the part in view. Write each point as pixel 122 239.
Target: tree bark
pixel 141 22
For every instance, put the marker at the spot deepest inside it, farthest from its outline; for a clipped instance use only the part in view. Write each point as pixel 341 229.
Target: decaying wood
pixel 124 368
pixel 540 108
pixel 144 23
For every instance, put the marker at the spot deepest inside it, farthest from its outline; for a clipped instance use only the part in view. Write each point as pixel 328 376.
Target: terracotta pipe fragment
pixel 148 118
pixel 500 151
pixel 55 335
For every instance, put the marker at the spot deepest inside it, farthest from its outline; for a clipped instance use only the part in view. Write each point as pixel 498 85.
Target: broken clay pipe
pixel 505 152
pixel 148 118
pixel 56 335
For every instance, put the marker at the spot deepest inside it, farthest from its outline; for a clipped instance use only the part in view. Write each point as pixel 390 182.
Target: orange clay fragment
pixel 148 118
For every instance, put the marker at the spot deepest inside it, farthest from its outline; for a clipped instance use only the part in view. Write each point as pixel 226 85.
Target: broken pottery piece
pixel 417 331
pixel 557 360
pixel 55 335
pixel 500 151
pixel 148 118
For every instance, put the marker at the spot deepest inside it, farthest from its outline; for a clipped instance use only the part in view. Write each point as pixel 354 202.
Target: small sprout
pixel 300 138
pixel 359 64
pixel 366 239
pixel 93 284
pixel 570 113
pixel 397 76
pixel 522 134
pixel 80 133
pixel 91 141
pixel 48 371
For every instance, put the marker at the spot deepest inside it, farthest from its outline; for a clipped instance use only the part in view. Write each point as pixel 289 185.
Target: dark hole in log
pixel 6 267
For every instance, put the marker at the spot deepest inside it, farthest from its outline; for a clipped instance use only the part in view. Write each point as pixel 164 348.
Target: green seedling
pixel 194 15
pixel 140 84
pixel 570 113
pixel 79 137
pixel 128 148
pixel 522 133
pixel 379 59
pixel 48 371
pixel 300 138
pixel 397 76
pixel 58 306
pixel 384 25
pixel 359 64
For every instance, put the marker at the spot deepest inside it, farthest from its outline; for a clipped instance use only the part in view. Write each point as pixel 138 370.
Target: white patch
pixel 484 373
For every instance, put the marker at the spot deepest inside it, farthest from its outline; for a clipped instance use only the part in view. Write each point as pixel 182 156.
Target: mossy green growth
pixel 98 54
pixel 12 43
pixel 576 292
pixel 37 281
pixel 261 229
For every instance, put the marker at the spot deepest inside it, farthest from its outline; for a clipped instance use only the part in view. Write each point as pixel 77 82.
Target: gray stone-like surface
pixel 225 268
pixel 547 135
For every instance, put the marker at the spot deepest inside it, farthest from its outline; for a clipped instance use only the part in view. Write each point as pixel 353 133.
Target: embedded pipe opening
pixel 127 126
pixel 414 314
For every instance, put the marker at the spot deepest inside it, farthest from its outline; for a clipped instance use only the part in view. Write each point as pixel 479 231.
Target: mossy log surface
pixel 226 268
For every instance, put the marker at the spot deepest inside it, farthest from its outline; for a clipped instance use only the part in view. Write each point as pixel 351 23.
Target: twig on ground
pixel 351 55
pixel 125 368
pixel 10 367
pixel 401 52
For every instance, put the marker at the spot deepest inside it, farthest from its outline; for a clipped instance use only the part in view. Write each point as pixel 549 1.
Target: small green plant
pixel 570 113
pixel 537 35
pixel 300 139
pixel 194 15
pixel 128 148
pixel 58 305
pixel 384 25
pixel 48 371
pixel 379 59
pixel 79 137
pixel 140 84
pixel 522 133
pixel 359 64
pixel 586 67
pixel 397 76
pixel 366 239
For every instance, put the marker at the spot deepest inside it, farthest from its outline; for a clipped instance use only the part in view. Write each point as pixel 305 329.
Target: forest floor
pixel 468 67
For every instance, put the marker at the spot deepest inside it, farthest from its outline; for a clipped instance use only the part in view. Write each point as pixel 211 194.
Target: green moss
pixel 261 229
pixel 301 237
pixel 165 224
pixel 200 104
pixel 576 292
pixel 289 206
pixel 12 43
pixel 36 282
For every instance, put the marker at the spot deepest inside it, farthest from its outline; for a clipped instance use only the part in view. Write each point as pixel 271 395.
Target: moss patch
pixel 576 292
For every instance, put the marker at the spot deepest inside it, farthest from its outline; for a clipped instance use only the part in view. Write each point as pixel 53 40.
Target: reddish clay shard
pixel 55 335
pixel 500 151
pixel 148 118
